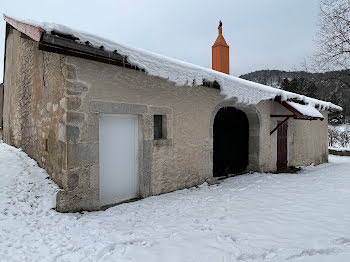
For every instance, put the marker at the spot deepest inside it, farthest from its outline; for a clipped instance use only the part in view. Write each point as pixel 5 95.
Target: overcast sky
pixel 262 34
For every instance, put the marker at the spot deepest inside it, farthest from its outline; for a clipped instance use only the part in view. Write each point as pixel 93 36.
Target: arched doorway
pixel 230 142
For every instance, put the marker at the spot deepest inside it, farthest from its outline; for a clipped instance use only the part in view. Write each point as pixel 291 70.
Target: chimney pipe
pixel 221 53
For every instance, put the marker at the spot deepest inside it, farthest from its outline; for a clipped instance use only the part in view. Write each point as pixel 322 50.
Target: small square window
pixel 158 127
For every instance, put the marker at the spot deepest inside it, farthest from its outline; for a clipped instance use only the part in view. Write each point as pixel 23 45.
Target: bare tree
pixel 333 50
pixel 338 138
pixel 333 38
pixel 333 136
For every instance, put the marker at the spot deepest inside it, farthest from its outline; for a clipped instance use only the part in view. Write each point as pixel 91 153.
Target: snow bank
pixel 253 217
pixel 183 73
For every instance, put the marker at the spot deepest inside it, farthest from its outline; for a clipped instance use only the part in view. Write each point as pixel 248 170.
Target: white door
pixel 118 154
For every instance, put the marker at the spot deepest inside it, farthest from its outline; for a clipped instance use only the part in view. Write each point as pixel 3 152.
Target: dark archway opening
pixel 231 142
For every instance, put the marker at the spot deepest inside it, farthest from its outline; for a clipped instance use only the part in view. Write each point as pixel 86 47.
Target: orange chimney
pixel 220 53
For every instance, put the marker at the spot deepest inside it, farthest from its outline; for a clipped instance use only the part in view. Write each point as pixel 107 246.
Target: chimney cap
pixel 220 40
pixel 220 24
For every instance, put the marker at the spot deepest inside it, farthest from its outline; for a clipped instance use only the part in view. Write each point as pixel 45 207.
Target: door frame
pixel 282 163
pixel 230 116
pixel 145 141
pixel 255 124
pixel 137 155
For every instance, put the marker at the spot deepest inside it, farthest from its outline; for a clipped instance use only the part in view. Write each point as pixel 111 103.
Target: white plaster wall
pixel 188 161
pixel 307 140
pixel 310 142
pixel 268 143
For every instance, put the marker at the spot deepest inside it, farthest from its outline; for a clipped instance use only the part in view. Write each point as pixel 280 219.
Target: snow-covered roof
pixel 306 110
pixel 183 73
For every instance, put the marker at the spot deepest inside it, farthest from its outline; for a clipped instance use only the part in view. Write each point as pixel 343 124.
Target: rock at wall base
pixel 76 201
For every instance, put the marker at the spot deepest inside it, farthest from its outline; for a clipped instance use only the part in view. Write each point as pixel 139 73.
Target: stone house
pixel 112 123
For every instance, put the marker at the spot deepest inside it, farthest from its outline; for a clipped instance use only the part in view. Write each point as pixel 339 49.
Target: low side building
pixel 111 123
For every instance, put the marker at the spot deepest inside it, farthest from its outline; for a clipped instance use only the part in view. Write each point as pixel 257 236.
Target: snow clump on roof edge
pixel 183 73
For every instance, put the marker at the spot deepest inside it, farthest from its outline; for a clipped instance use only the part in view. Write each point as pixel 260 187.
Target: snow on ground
pixel 255 217
pixel 342 127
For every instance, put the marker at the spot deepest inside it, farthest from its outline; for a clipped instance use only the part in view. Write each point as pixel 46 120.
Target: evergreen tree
pixel 311 89
pixel 294 85
pixel 334 99
pixel 285 84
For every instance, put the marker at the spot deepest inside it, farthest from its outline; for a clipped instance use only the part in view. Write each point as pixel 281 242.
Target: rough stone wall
pixel 81 188
pixel 11 132
pixel 34 104
pixel 1 105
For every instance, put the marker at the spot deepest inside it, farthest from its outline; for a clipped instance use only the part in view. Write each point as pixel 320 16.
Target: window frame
pixel 158 128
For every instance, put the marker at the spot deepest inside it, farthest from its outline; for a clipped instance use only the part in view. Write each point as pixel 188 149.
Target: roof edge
pixel 182 73
pixel 33 32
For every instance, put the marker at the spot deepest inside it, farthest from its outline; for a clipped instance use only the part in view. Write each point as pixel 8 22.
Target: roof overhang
pixel 33 32
pixel 298 111
pixel 66 44
pixel 61 39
